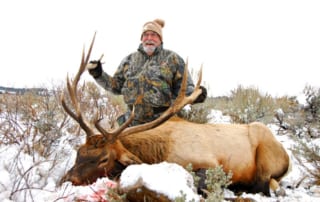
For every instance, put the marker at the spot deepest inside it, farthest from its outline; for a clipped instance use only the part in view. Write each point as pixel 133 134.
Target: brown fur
pixel 144 194
pixel 250 151
pixel 150 148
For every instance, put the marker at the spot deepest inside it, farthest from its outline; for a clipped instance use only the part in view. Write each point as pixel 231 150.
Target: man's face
pixel 150 41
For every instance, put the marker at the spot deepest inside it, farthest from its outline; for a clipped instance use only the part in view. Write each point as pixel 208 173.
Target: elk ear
pixel 127 158
pixel 124 156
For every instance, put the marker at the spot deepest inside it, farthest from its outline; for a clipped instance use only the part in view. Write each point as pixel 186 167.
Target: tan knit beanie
pixel 155 25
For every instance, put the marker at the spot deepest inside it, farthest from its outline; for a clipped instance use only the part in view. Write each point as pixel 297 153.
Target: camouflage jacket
pixel 156 78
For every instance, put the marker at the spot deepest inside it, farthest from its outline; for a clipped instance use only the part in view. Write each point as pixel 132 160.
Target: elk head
pixel 103 154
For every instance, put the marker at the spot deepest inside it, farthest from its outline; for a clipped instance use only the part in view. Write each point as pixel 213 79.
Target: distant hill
pixel 11 90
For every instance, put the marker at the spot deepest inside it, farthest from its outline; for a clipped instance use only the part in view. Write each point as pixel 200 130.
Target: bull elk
pixel 250 151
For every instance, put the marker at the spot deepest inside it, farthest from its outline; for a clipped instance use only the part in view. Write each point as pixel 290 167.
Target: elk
pixel 250 151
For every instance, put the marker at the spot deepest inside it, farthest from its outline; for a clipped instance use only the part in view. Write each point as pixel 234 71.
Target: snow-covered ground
pixel 32 178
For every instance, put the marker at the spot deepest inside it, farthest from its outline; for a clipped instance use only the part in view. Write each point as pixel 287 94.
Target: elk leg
pixel 201 173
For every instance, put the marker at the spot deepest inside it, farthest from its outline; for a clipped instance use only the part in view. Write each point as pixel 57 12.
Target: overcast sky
pixel 273 45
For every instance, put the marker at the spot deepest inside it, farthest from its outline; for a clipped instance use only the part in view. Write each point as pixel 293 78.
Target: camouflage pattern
pixel 153 80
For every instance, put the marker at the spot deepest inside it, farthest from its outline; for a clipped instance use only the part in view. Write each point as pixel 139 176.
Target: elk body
pixel 249 151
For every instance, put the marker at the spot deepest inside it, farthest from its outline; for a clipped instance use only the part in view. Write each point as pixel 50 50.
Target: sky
pixel 271 45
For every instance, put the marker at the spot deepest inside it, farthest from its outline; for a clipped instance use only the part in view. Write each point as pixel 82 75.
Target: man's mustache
pixel 149 42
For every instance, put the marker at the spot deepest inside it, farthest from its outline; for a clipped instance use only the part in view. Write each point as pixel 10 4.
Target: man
pixel 152 71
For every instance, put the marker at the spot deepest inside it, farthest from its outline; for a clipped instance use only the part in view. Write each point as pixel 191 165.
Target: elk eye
pixel 104 160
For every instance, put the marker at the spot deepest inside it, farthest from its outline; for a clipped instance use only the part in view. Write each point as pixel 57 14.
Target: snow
pixel 167 178
pixel 40 181
pixel 216 116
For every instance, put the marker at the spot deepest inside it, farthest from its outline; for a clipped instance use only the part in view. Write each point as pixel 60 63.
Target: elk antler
pixel 111 136
pixel 179 103
pixel 72 90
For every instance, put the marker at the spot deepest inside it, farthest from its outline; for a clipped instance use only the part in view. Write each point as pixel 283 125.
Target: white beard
pixel 149 50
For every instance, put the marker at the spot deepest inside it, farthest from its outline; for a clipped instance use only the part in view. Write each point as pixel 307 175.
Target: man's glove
pixel 202 97
pixel 95 68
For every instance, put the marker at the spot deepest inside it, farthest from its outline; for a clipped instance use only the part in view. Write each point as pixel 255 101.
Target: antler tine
pixel 183 88
pixel 200 78
pixel 179 103
pixel 182 100
pixel 72 90
pixel 112 136
pixel 84 62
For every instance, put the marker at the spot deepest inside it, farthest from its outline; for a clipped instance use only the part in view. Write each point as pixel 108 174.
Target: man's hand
pixel 95 68
pixel 202 97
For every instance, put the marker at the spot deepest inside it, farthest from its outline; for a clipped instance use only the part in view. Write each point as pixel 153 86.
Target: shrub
pixel 248 104
pixel 197 113
pixel 215 181
pixel 308 155
pixel 306 135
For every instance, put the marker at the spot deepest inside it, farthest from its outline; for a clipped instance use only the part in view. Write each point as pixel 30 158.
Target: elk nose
pixel 72 179
pixel 63 180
